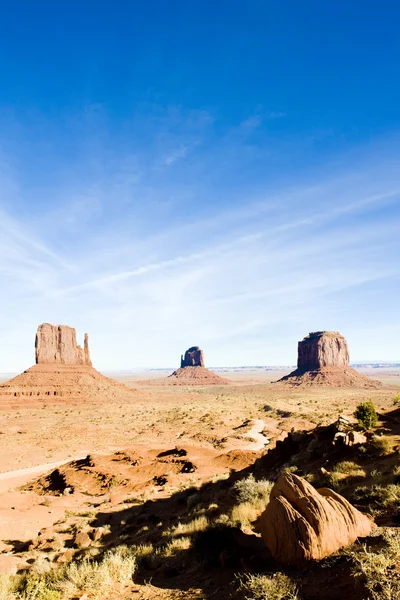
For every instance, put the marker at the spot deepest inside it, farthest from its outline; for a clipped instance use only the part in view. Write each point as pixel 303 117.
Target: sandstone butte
pixel 323 359
pixel 193 371
pixel 62 369
pixel 301 523
pixel 193 358
pixel 56 344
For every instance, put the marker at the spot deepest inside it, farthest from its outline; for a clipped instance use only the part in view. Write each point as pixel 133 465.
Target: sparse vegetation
pixel 380 568
pixel 366 415
pixel 251 489
pixel 380 446
pixel 94 578
pixel 263 587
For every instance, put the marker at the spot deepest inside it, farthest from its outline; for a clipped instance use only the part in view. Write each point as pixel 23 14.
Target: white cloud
pixel 245 280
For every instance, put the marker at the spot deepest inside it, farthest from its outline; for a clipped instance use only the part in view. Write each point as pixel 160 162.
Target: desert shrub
pixel 366 416
pixel 332 481
pixel 396 399
pixel 383 496
pixel 98 578
pixel 292 469
pixel 95 578
pixel 263 587
pixel 250 490
pixel 345 466
pixel 242 515
pixel 37 589
pixel 380 569
pixel 6 587
pixel 380 446
pixel 198 524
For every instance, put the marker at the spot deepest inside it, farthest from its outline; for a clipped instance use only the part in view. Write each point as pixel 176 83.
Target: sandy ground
pixel 247 415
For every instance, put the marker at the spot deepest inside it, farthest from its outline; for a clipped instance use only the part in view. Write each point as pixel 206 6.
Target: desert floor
pixel 222 429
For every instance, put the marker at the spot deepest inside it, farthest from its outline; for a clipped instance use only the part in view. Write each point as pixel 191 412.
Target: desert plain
pixel 148 479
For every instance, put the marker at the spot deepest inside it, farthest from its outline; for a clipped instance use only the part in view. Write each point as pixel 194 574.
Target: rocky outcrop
pixel 62 370
pixel 323 359
pixel 301 523
pixel 322 349
pixel 56 344
pixel 193 358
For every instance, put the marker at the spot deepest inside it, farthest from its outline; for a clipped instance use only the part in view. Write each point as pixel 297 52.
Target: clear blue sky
pixel 216 173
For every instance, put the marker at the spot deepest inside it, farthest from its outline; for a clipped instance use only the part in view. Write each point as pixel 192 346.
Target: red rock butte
pixel 193 371
pixel 62 369
pixel 56 344
pixel 323 359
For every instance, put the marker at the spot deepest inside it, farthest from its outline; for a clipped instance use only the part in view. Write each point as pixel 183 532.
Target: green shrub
pixel 396 399
pixel 366 415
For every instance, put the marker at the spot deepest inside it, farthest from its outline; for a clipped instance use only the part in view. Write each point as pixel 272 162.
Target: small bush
pixel 250 490
pixel 380 446
pixel 263 587
pixel 244 514
pixel 345 466
pixel 366 415
pixel 396 399
pixel 97 579
pixel 383 496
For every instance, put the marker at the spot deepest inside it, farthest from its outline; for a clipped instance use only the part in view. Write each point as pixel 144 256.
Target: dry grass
pixel 262 587
pixel 347 467
pixel 95 579
pixel 199 524
pixel 381 569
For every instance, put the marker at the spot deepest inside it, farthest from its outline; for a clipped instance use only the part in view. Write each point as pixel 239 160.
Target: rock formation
pixel 62 369
pixel 192 372
pixel 301 523
pixel 193 358
pixel 56 344
pixel 322 349
pixel 323 359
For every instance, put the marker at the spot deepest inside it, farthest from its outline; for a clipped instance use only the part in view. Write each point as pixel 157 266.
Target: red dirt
pixel 189 376
pixel 329 376
pixel 44 381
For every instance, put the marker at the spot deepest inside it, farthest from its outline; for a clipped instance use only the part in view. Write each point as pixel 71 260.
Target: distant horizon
pixel 394 364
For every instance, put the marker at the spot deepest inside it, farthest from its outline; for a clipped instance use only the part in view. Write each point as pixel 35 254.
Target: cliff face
pixel 323 359
pixel 56 344
pixel 193 358
pixel 322 349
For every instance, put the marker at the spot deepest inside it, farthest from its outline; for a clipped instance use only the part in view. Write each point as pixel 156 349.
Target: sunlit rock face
pixel 322 349
pixel 56 344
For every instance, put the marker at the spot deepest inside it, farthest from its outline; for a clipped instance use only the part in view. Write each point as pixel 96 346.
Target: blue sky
pixel 216 173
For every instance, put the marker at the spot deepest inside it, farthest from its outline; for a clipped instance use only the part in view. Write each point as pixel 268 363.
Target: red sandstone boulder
pixel 301 523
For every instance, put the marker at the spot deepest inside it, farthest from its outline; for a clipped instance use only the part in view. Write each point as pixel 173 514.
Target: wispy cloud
pixel 150 261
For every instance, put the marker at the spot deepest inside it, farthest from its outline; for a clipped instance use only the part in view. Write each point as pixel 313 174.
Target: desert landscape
pixel 199 484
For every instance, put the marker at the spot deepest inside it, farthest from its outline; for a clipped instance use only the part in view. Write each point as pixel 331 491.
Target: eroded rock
pixel 322 349
pixel 193 358
pixel 56 344
pixel 301 523
pixel 323 359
